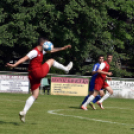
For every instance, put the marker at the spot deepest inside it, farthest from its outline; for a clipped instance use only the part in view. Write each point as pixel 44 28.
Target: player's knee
pixel 111 92
pixel 101 94
pixel 36 96
pixel 50 61
pixel 96 92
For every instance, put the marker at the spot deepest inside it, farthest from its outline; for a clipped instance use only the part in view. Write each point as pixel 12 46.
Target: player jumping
pixel 37 70
pixel 101 83
pixel 92 83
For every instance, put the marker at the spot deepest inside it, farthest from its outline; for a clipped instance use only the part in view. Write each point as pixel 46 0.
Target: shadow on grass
pixel 74 107
pixel 13 123
pixel 132 128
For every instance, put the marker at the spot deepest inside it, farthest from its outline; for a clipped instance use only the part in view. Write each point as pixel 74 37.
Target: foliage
pixel 92 27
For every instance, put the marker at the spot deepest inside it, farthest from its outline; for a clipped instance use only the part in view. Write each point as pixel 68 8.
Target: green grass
pixel 71 120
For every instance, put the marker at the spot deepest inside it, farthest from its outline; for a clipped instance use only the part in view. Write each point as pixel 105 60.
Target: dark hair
pixel 41 39
pixel 109 54
pixel 100 56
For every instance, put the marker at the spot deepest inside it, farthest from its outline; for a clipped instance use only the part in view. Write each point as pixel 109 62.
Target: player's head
pixel 101 58
pixel 41 40
pixel 109 57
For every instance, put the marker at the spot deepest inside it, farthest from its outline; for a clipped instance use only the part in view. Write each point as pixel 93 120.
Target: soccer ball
pixel 48 46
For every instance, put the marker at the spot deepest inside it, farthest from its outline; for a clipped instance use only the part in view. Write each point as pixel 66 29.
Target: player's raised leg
pixel 28 104
pixel 54 63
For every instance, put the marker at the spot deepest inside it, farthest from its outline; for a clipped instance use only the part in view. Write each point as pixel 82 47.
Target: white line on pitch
pixel 80 117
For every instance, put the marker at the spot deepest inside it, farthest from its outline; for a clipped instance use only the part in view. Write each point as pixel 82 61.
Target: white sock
pixel 29 103
pixel 90 98
pixel 104 97
pixel 59 66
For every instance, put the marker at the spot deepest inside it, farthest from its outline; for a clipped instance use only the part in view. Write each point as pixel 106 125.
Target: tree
pixel 92 27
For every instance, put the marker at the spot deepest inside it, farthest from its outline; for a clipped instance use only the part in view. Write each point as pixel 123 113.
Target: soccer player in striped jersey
pixel 92 83
pixel 100 83
pixel 37 70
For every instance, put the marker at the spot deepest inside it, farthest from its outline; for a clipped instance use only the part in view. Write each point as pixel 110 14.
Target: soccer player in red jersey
pixel 100 83
pixel 37 70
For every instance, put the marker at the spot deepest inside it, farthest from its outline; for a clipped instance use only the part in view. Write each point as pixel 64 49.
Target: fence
pixel 17 82
pixel 122 87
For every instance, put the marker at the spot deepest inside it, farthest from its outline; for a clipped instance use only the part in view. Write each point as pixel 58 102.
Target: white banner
pixel 122 89
pixel 14 84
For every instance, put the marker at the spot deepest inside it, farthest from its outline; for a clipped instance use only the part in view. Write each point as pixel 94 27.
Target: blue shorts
pixel 91 87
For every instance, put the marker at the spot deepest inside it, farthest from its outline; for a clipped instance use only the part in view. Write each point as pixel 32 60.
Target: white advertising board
pixel 14 84
pixel 122 88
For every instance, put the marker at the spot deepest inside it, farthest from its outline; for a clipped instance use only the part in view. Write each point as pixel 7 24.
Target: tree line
pixel 92 28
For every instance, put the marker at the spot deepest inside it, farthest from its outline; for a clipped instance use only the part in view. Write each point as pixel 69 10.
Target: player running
pixel 92 83
pixel 37 70
pixel 100 83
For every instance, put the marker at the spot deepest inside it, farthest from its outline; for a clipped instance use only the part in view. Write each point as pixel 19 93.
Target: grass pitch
pixel 61 115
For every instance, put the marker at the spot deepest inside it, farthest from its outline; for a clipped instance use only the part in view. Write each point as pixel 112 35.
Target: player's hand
pixel 10 65
pixel 109 79
pixel 67 46
pixel 110 74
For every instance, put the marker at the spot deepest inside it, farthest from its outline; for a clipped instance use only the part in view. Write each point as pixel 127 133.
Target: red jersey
pixel 104 67
pixel 36 62
pixel 36 69
pixel 100 82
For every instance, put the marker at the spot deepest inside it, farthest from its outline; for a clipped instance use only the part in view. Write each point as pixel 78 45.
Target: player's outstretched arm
pixel 60 49
pixel 18 62
pixel 103 72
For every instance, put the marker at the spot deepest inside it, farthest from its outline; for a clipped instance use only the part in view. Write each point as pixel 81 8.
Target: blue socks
pixel 85 99
pixel 98 97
